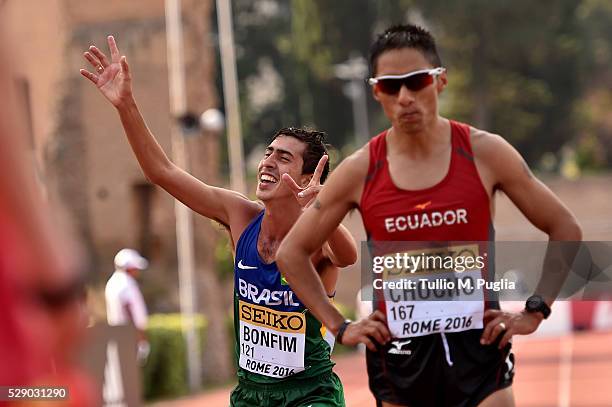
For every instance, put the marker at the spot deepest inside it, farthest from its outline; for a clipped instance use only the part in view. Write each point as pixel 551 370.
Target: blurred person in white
pixel 124 302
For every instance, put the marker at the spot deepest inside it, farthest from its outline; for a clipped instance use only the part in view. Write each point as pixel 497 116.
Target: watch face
pixel 533 303
pixel 536 303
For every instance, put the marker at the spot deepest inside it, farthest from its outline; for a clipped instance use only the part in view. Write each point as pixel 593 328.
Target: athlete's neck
pixel 419 143
pixel 279 217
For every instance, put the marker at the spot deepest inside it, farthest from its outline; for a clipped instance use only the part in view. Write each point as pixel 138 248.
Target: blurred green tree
pixel 530 71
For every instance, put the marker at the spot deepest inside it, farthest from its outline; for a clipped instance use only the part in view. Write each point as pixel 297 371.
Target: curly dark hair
pixel 315 147
pixel 404 36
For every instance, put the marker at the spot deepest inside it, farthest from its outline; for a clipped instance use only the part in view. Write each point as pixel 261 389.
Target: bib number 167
pixel 401 312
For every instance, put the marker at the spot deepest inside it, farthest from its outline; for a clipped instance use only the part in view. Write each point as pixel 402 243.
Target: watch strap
pixel 341 330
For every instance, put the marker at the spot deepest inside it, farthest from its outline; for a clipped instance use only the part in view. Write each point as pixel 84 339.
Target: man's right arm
pixel 209 201
pixel 113 79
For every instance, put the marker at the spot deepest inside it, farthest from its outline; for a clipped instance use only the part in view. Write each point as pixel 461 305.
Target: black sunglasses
pixel 414 81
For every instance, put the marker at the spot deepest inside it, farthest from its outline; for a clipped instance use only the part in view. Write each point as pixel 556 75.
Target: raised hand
pixel 112 77
pixel 306 196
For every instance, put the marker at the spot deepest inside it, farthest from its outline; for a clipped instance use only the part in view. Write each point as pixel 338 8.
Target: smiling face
pixel 283 155
pixel 409 111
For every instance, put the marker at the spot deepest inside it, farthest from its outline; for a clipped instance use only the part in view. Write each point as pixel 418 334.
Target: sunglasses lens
pixel 413 83
pixel 418 81
pixel 389 86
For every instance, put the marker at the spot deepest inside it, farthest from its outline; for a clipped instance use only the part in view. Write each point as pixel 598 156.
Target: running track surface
pixel 569 371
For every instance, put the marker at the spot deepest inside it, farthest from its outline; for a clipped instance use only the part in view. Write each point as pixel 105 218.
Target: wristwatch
pixel 343 327
pixel 536 303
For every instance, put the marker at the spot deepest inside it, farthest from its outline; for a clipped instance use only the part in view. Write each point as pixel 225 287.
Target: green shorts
pixel 322 391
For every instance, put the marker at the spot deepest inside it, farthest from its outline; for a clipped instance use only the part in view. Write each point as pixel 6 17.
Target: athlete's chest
pixel 418 174
pixel 257 277
pixel 267 248
pixel 458 206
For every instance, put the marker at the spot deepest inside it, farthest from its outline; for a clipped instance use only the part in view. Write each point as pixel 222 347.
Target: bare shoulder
pixel 241 211
pixel 492 148
pixel 486 144
pixel 237 205
pixel 355 165
pixel 247 204
pixel 497 154
pixel 252 208
pixel 345 183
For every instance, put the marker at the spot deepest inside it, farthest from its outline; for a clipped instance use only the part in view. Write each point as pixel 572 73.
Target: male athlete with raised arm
pixel 426 178
pixel 283 351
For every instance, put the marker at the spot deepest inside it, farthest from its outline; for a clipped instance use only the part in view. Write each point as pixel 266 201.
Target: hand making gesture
pixel 111 77
pixel 306 196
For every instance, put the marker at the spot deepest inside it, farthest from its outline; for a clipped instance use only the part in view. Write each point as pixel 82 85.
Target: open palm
pixel 112 77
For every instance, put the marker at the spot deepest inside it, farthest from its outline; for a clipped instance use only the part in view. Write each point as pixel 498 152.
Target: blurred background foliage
pixel 538 73
pixel 164 374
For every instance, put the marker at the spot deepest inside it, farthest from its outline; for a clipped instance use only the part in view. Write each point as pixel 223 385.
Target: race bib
pixel 439 299
pixel 272 342
pixel 409 318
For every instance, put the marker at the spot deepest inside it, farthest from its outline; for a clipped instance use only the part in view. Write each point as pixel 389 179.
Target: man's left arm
pixel 534 199
pixel 341 247
pixel 539 205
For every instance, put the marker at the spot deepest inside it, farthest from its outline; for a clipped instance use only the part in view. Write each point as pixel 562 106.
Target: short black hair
pixel 404 36
pixel 315 147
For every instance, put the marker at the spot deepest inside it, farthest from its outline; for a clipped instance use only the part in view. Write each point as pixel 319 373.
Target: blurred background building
pixel 83 160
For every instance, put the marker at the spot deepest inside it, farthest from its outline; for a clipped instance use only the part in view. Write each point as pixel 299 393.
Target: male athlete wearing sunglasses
pixel 426 179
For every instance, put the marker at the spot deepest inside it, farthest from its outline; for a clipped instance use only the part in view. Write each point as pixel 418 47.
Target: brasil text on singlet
pixel 277 338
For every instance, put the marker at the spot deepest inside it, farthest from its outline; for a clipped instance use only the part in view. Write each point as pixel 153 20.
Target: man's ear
pixel 441 82
pixel 375 93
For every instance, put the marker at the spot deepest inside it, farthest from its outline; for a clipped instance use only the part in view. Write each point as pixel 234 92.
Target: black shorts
pixel 417 371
